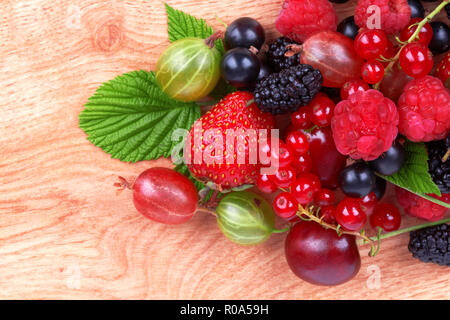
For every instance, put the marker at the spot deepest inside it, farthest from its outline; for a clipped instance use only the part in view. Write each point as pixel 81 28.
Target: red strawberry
pixel 224 170
pixel 443 70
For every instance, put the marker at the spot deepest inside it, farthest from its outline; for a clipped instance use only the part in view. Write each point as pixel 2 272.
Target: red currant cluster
pixel 300 186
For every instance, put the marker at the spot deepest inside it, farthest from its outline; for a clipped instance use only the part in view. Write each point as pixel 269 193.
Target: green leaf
pixel 182 25
pixel 130 118
pixel 414 175
pixel 183 169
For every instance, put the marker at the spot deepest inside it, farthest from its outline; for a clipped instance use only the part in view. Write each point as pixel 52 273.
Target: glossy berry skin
pixel 425 34
pixel 321 110
pixel 297 142
pixel 304 188
pixel 327 161
pixel 386 216
pixel 443 70
pixel 391 161
pixel 353 86
pixel 440 42
pixel 372 72
pixel 371 43
pixel 380 188
pixel 285 205
pixel 265 184
pixel 320 256
pixel 324 197
pixel 357 180
pixel 350 215
pixel 244 33
pixel 165 196
pixel 302 163
pixel 328 214
pixel 300 119
pixel 284 156
pixel 240 67
pixel 368 203
pixel 348 27
pixel 319 51
pixel 416 60
pixel 417 10
pixel 283 177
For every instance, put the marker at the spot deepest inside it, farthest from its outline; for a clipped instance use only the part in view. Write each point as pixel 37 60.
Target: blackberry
pixel 439 164
pixel 288 90
pixel 431 244
pixel 276 58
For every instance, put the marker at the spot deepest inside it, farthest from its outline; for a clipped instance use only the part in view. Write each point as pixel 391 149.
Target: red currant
pixel 265 184
pixel 368 203
pixel 300 119
pixel 425 34
pixel 285 205
pixel 302 163
pixel 353 86
pixel 350 215
pixel 298 142
pixel 305 187
pixel 328 214
pixel 371 43
pixel 284 155
pixel 386 216
pixel 283 177
pixel 324 197
pixel 372 72
pixel 416 60
pixel 321 110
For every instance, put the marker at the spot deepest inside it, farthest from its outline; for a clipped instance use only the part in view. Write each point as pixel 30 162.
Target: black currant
pixel 391 161
pixel 263 71
pixel 357 180
pixel 240 67
pixel 440 41
pixel 348 27
pixel 245 33
pixel 417 10
pixel 380 187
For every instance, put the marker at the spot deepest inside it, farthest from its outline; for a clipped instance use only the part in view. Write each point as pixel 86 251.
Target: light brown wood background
pixel 63 231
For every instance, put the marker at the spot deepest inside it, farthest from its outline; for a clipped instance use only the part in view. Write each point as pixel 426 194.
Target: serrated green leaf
pixel 182 25
pixel 183 169
pixel 130 118
pixel 414 175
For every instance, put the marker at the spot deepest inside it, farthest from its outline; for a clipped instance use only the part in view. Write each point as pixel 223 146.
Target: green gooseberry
pixel 189 69
pixel 245 218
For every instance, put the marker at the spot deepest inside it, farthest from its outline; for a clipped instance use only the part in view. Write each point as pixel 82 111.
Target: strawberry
pixel 219 165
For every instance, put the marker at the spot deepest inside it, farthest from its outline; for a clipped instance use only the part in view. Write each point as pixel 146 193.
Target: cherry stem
pixel 413 37
pixel 215 36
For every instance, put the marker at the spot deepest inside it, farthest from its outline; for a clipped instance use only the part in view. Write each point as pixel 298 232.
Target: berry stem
pixel 413 37
pixel 281 230
pixel 215 36
pixel 413 228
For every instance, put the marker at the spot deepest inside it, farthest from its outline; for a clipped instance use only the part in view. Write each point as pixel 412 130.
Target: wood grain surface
pixel 65 234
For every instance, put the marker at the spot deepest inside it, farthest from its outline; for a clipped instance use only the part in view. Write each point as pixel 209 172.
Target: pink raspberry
pixel 365 125
pixel 422 208
pixel 299 19
pixel 424 110
pixel 394 14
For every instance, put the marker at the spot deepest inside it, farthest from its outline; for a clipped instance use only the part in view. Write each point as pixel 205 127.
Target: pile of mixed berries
pixel 347 99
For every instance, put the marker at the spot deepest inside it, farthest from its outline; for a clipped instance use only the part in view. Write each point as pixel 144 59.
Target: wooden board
pixel 64 233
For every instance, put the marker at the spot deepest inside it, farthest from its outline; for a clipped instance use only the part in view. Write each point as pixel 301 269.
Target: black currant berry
pixel 417 10
pixel 348 27
pixel 380 188
pixel 263 71
pixel 440 41
pixel 357 180
pixel 240 67
pixel 391 161
pixel 245 33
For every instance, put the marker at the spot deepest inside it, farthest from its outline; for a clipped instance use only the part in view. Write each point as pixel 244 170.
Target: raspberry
pixel 365 125
pixel 424 110
pixel 395 14
pixel 422 208
pixel 223 169
pixel 300 19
